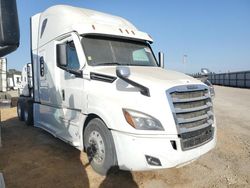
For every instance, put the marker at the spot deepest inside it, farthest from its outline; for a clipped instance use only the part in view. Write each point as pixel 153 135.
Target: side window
pixel 43 27
pixel 72 59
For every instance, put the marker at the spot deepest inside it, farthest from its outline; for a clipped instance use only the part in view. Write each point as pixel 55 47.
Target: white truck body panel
pixel 26 81
pixel 14 82
pixel 63 101
pixel 3 74
pixel 10 82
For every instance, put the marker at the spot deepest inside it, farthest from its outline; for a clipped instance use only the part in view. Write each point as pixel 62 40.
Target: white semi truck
pixel 26 88
pixel 98 86
pixel 14 81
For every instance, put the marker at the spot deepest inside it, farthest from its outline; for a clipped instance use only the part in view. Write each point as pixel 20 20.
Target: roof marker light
pixel 93 27
pixel 133 32
pixel 127 31
pixel 149 36
pixel 121 30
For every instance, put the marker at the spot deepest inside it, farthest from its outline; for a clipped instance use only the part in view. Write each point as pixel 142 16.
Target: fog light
pixel 153 161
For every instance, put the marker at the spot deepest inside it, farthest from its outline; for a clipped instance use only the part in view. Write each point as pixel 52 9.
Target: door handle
pixel 63 95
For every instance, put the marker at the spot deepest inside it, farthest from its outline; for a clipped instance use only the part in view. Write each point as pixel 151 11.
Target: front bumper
pixel 132 150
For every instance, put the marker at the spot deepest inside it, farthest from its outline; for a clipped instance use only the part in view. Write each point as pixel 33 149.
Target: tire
pixel 20 110
pixel 99 146
pixel 28 113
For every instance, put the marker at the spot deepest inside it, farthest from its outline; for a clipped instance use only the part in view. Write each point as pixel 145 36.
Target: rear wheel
pixel 28 113
pixel 20 110
pixel 99 145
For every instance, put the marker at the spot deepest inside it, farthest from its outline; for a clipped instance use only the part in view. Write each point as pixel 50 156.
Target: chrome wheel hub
pixel 96 147
pixel 19 110
pixel 25 115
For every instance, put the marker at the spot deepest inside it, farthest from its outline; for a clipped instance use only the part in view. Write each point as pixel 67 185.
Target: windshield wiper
pixel 109 63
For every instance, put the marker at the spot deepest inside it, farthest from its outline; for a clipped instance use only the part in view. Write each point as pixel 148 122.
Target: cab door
pixel 71 89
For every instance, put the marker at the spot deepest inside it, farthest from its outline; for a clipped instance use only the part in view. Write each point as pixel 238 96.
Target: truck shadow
pixel 117 178
pixel 31 157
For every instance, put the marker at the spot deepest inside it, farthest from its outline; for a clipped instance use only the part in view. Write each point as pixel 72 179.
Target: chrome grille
pixel 192 110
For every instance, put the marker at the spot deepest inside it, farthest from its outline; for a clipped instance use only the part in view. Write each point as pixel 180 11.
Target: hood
pixel 151 76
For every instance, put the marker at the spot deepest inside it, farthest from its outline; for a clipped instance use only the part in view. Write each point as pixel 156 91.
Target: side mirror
pixel 161 59
pixel 122 72
pixel 9 27
pixel 61 55
pixel 205 72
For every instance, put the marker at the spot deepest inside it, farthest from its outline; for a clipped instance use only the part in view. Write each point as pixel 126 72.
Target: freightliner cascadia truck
pixel 98 86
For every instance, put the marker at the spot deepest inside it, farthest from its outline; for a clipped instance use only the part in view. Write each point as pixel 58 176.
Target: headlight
pixel 142 121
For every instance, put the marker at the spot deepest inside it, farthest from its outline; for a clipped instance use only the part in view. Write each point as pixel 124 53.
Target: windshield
pixel 106 51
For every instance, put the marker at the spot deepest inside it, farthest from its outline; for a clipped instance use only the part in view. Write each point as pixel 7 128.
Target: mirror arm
pixel 77 73
pixel 143 90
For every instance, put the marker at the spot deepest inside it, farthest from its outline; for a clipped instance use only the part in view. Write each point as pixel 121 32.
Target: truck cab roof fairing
pixel 63 19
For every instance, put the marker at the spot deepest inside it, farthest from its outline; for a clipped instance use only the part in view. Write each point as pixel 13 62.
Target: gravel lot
pixel 30 157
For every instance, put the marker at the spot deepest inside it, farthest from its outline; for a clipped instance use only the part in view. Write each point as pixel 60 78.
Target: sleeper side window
pixel 43 27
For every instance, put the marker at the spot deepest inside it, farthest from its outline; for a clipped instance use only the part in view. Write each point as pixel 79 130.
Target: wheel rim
pixel 96 149
pixel 25 115
pixel 18 110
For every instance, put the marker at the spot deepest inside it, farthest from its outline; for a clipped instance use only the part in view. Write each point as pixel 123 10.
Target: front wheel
pixel 99 145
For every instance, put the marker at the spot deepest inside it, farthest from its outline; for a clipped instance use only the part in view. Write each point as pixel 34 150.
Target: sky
pixel 214 34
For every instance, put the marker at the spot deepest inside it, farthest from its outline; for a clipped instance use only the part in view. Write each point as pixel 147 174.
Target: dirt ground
pixel 30 157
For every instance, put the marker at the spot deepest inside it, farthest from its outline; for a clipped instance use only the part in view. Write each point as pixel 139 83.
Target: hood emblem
pixel 192 87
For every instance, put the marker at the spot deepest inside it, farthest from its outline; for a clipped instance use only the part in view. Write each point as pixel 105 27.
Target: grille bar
pixel 192 104
pixel 182 120
pixel 194 128
pixel 189 94
pixel 176 100
pixel 179 110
